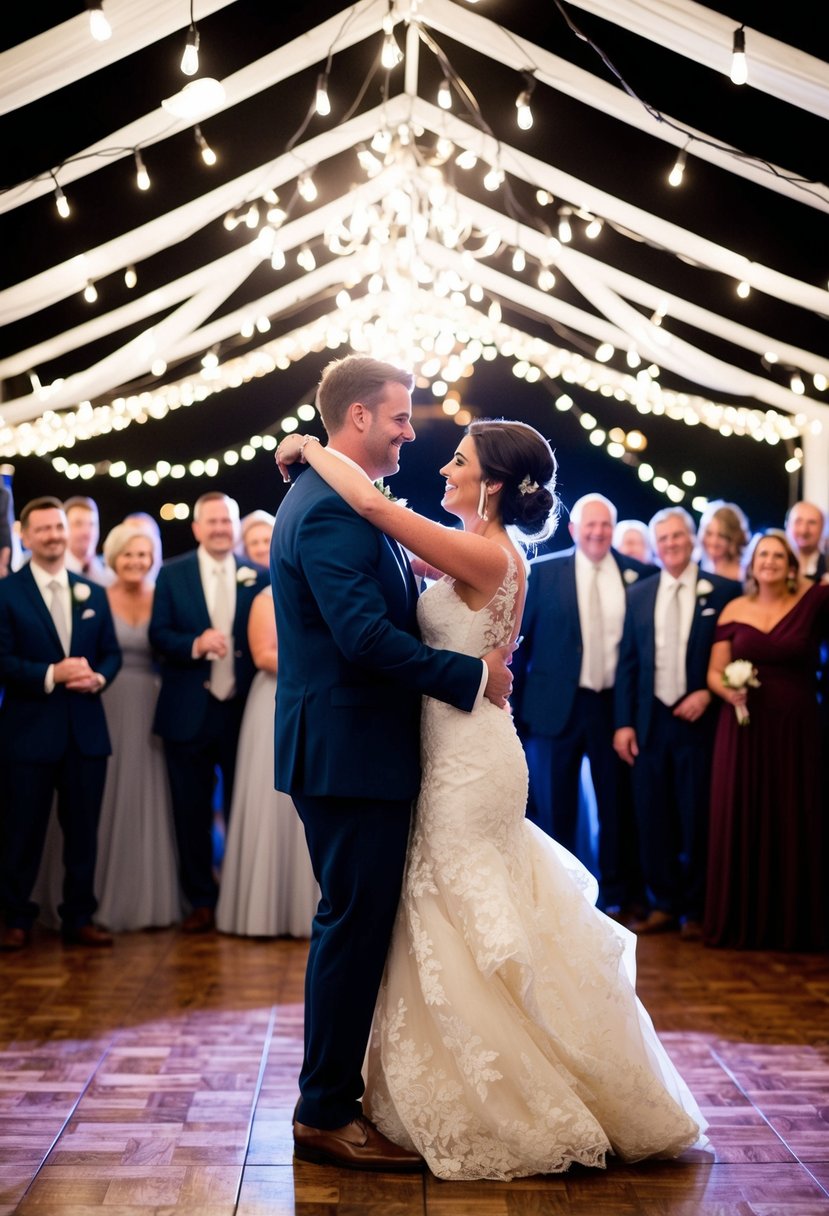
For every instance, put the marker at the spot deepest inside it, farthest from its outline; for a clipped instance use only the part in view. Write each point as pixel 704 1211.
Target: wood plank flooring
pixel 159 1078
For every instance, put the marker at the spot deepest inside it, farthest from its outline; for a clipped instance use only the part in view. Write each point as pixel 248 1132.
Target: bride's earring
pixel 482 503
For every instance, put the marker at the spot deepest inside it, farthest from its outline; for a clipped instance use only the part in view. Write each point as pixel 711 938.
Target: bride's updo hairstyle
pixel 523 461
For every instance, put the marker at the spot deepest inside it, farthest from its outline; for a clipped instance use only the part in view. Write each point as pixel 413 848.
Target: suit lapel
pixel 192 575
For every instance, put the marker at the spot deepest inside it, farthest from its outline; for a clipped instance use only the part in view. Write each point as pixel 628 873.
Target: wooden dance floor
pixel 160 1078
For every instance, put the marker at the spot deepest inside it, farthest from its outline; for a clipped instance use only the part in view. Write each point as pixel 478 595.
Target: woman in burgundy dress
pixel 768 840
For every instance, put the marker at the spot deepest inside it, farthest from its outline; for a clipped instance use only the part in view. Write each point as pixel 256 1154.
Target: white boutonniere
pixel 630 576
pixel 246 576
pixel 386 492
pixel 81 592
pixel 704 588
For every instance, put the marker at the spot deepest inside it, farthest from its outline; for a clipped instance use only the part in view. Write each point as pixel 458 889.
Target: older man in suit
pixel 665 721
pixel 805 525
pixel 351 674
pixel 564 671
pixel 58 650
pixel 199 627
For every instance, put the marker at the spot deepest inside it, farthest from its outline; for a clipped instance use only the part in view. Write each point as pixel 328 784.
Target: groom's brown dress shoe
pixel 357 1146
pixel 200 920
pixel 88 935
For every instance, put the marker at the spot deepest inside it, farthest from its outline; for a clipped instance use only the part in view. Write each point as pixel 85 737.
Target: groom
pixel 352 671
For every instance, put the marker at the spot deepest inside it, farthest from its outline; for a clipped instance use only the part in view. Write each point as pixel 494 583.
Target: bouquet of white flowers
pixel 740 673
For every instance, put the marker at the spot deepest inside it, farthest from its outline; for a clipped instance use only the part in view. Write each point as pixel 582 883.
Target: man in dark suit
pixel 199 627
pixel 57 651
pixel 665 721
pixel 352 671
pixel 564 673
pixel 805 524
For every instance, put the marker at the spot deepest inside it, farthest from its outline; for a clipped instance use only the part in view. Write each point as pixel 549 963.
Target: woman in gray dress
pixel 136 878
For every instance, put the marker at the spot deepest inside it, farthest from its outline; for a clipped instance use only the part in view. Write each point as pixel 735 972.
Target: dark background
pixel 783 234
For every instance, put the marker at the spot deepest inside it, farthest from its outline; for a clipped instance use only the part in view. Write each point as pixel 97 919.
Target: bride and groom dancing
pixel 491 1006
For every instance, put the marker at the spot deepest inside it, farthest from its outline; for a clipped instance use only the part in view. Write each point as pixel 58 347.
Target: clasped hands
pixel 77 675
pixel 210 644
pixel 288 452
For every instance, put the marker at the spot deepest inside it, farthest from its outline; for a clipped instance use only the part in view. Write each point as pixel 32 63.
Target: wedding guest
pixel 268 888
pixel 256 530
pixel 199 627
pixel 632 538
pixel 84 531
pixel 768 834
pixel 564 674
pixel 805 524
pixel 723 536
pixel 58 650
pixel 665 724
pixel 136 877
pixel 144 521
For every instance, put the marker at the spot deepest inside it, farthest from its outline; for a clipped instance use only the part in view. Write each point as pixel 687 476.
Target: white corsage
pixel 81 592
pixel 740 673
pixel 246 576
pixel 630 576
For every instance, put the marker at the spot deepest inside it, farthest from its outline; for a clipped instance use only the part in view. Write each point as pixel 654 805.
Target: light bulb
pixel 493 179
pixel 466 160
pixel 445 95
pixel 524 117
pixel 142 177
pixel 519 260
pixel 306 188
pixel 743 289
pixel 130 277
pixel 252 215
pixel 306 259
pixel 190 58
pixel 62 203
pixel 277 258
pixel 676 174
pixel 90 293
pixel 207 153
pixel 565 231
pixel 391 53
pixel 99 27
pixel 323 102
pixel 739 67
pixel 593 229
pixel 796 383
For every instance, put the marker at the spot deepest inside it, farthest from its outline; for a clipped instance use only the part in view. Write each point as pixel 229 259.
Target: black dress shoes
pixel 13 939
pixel 88 935
pixel 357 1146
pixel 200 920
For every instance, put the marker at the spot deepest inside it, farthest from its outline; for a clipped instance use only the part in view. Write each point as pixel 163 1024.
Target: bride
pixel 508 1039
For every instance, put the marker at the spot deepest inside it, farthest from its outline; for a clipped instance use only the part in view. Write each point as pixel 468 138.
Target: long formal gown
pixel 136 875
pixel 508 1039
pixel 268 888
pixel 769 839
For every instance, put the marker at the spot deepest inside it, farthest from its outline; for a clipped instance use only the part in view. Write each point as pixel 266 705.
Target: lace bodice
pixel 448 624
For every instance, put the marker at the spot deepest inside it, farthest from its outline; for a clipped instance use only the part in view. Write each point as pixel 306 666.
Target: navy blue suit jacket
pixel 352 668
pixel 179 615
pixel 547 665
pixel 39 726
pixel 636 672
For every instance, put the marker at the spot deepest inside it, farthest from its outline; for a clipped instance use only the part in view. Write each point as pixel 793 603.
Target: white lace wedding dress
pixel 508 1039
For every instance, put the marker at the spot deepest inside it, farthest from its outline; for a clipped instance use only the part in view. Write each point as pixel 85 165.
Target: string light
pixel 307 188
pixel 142 177
pixel 90 293
pixel 524 115
pixel 494 178
pixel 306 259
pixel 62 203
pixel 565 231
pixel 466 160
pixel 739 66
pixel 99 26
pixel 391 54
pixel 678 172
pixel 445 95
pixel 207 154
pixel 323 101
pixel 519 260
pixel 190 58
pixel 796 384
pixel 130 277
pixel 593 229
pixel 743 289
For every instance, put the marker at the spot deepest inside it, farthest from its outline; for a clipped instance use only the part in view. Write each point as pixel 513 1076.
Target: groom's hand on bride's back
pixel 499 678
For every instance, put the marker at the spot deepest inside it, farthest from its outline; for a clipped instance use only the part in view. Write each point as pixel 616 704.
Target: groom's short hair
pixel 355 378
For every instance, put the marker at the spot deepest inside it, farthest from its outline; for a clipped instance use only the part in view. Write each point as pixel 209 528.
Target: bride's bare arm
pixel 468 558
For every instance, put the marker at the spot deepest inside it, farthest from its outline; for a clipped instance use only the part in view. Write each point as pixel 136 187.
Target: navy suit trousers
pixel 358 850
